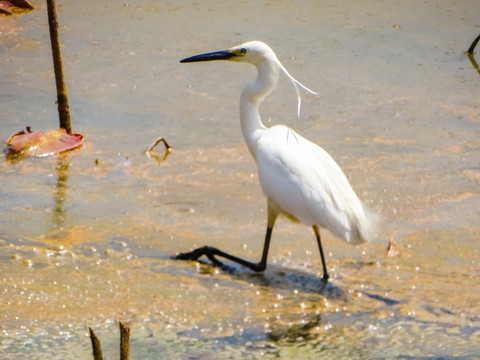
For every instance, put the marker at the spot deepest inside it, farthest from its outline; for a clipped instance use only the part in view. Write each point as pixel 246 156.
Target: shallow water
pixel 86 238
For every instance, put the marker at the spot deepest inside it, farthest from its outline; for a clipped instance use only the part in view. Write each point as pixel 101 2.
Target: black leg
pixel 325 272
pixel 211 252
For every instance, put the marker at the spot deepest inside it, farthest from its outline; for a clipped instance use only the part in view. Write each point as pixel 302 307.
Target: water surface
pixel 86 237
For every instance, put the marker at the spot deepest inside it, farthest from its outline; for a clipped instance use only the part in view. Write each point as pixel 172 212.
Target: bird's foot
pixel 192 255
pixel 195 254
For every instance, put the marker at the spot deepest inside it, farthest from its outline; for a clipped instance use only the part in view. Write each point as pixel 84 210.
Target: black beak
pixel 217 55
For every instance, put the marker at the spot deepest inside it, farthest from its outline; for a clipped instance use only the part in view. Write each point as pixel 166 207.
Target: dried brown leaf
pixel 38 143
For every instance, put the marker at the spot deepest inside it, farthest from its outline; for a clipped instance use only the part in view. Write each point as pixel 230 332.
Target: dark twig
pixel 158 141
pixel 97 350
pixel 470 55
pixel 472 47
pixel 149 152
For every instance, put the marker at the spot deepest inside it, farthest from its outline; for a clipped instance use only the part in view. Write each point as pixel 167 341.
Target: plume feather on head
pixel 296 83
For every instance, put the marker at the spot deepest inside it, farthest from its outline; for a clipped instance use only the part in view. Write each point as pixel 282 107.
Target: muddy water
pixel 86 238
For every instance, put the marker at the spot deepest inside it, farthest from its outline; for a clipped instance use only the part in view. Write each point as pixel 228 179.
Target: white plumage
pixel 299 178
pixel 306 184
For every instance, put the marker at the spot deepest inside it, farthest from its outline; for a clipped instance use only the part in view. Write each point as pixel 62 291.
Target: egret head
pixel 252 52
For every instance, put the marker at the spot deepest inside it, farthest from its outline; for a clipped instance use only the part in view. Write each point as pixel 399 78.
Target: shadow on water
pixel 291 280
pixel 287 279
pixel 275 277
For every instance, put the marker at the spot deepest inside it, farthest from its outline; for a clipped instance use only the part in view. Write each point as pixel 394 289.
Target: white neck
pixel 252 96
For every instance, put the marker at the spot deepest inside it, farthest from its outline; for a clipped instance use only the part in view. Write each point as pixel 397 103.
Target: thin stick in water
pixel 124 342
pixel 63 108
pixel 97 349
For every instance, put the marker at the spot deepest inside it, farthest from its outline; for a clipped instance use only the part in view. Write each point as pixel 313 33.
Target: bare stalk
pixel 63 108
pixel 124 342
pixel 97 349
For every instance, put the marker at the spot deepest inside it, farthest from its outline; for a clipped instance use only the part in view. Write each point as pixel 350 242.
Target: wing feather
pixel 307 184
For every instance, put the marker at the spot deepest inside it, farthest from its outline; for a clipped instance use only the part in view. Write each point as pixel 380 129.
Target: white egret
pixel 299 178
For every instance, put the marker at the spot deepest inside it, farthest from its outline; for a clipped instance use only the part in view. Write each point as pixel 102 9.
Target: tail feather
pixel 363 229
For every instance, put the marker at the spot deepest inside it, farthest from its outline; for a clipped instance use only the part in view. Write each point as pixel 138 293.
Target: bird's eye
pixel 243 51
